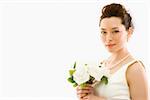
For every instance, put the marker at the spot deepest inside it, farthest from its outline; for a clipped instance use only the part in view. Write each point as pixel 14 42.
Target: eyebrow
pixel 103 29
pixel 112 28
pixel 115 28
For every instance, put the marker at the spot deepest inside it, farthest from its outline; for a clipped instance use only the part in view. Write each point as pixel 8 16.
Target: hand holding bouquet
pixel 88 74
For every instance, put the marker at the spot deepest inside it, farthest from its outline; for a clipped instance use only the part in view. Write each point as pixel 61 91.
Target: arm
pixel 137 81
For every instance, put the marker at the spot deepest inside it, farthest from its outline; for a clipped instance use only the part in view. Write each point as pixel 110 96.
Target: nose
pixel 109 37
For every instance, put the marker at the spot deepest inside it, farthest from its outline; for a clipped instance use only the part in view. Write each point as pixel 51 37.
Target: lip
pixel 110 45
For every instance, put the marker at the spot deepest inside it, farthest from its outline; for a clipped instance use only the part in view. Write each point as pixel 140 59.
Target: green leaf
pixel 75 84
pixel 85 64
pixel 70 79
pixel 91 80
pixel 83 85
pixel 74 65
pixel 104 80
pixel 71 72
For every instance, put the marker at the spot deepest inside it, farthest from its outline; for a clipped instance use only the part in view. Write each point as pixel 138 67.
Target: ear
pixel 130 32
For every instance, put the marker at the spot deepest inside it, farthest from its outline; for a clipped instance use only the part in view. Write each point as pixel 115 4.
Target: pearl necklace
pixel 114 65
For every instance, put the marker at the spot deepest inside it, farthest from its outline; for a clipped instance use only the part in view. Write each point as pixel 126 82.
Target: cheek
pixel 125 36
pixel 122 39
pixel 102 39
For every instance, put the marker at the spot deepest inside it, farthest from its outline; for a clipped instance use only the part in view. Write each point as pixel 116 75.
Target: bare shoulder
pixel 137 81
pixel 136 72
pixel 136 68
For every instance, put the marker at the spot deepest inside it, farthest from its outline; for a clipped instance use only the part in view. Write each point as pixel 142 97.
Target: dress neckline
pixel 125 65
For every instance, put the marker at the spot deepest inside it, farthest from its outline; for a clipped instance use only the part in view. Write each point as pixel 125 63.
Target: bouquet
pixel 88 74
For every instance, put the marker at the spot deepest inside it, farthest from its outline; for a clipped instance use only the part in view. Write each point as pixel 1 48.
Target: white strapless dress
pixel 117 87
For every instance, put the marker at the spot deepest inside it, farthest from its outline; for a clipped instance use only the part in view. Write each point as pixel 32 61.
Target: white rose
pixel 97 72
pixel 81 75
pixel 106 72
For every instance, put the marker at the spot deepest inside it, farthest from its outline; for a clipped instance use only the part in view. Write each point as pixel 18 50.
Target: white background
pixel 40 40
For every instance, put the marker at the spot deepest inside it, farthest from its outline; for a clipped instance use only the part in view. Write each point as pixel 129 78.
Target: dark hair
pixel 117 10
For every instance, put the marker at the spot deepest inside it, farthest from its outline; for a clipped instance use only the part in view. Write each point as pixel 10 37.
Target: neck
pixel 118 55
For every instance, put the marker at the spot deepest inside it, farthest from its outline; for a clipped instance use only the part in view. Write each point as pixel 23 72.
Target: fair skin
pixel 115 36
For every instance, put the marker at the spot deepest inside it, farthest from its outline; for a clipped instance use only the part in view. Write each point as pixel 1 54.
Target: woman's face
pixel 113 34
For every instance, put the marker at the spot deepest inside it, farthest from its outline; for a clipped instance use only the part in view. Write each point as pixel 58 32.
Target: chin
pixel 111 50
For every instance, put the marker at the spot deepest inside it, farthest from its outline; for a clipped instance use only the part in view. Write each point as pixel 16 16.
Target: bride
pixel 128 78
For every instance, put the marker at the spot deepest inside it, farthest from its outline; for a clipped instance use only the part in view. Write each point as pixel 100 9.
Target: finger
pixel 82 95
pixel 84 91
pixel 78 87
pixel 82 99
pixel 86 97
pixel 87 86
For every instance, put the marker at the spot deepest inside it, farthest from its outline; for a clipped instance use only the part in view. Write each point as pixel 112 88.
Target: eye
pixel 103 32
pixel 115 31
